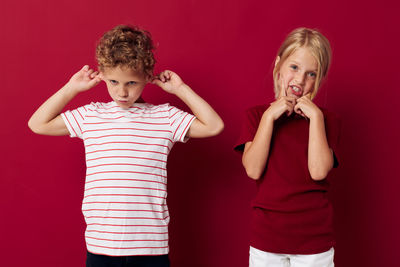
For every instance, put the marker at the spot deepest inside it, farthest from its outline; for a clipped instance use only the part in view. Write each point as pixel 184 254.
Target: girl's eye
pixel 293 67
pixel 312 74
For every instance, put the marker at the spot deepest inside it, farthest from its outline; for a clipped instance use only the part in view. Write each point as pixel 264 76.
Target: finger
pixel 85 68
pixel 308 95
pixel 290 109
pixel 297 109
pixel 94 74
pixel 162 76
pixel 94 81
pixel 89 73
pixel 157 82
pixel 283 88
pixel 292 99
pixel 98 78
pixel 170 73
pixel 167 75
pixel 300 100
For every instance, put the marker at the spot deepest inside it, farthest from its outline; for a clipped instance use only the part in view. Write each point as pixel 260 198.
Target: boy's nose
pixel 123 92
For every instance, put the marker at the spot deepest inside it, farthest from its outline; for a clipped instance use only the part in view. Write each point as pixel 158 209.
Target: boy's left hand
pixel 306 108
pixel 169 81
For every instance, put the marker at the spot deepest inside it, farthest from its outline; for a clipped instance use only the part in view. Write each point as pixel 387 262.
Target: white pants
pixel 259 258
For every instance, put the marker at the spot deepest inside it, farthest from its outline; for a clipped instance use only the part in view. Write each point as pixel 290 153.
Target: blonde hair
pixel 317 44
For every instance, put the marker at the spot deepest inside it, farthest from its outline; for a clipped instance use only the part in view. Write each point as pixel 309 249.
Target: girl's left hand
pixel 169 81
pixel 306 108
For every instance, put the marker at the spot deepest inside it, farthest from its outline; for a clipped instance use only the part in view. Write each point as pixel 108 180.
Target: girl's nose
pixel 300 78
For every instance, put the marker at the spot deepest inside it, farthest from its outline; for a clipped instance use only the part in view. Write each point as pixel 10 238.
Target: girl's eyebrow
pixel 295 62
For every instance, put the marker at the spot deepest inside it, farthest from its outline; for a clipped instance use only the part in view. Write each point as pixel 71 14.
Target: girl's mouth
pixel 296 90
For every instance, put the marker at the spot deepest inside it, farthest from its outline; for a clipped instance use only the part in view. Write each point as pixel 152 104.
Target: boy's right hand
pixel 84 79
pixel 283 104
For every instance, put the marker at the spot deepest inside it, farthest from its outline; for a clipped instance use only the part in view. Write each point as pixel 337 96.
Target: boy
pixel 127 142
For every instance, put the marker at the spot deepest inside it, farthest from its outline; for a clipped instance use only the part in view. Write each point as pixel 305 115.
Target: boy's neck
pixel 140 100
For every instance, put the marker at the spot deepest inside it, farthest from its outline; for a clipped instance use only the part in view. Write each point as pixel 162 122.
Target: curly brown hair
pixel 126 46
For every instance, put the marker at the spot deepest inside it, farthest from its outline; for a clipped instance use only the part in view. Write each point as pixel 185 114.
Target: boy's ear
pixel 149 78
pixel 277 60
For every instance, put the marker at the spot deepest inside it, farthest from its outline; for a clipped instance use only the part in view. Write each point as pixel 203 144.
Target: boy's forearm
pixel 320 157
pixel 256 153
pixel 212 123
pixel 50 109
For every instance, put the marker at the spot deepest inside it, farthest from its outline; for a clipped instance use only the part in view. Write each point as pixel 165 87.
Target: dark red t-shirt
pixel 291 212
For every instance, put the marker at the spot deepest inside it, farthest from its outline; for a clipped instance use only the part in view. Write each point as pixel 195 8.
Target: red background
pixel 224 50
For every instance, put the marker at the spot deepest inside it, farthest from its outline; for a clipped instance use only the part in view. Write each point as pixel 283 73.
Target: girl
pixel 289 147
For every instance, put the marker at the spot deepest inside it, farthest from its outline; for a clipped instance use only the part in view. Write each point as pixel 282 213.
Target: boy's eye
pixel 131 83
pixel 293 67
pixel 113 82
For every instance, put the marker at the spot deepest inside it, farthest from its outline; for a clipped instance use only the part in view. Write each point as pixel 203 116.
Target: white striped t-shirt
pixel 124 202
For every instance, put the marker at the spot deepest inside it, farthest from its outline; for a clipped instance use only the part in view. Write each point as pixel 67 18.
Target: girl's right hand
pixel 281 105
pixel 84 79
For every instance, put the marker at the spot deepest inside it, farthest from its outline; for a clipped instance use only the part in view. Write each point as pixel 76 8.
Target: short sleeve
pixel 333 127
pixel 180 122
pixel 250 121
pixel 74 119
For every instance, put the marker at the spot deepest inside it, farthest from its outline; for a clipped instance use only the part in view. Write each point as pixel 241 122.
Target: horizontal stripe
pixel 121 195
pixel 132 129
pixel 127 218
pixel 121 142
pixel 106 122
pixel 145 173
pixel 128 157
pixel 146 107
pixel 161 211
pixel 127 233
pixel 128 135
pixel 127 187
pixel 127 225
pixel 135 112
pixel 128 240
pixel 133 180
pixel 124 149
pixel 125 247
pixel 121 202
pixel 126 164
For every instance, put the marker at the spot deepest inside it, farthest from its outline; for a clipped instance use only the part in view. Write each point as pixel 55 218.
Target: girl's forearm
pixel 256 152
pixel 320 157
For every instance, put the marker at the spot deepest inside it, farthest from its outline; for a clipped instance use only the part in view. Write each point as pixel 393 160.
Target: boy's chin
pixel 124 105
